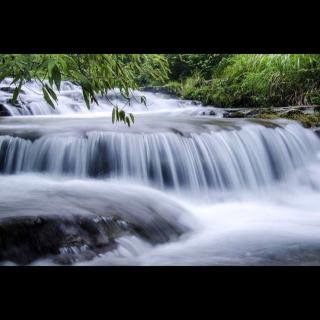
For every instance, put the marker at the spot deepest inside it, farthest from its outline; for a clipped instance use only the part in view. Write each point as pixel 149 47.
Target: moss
pixel 267 116
pixel 307 120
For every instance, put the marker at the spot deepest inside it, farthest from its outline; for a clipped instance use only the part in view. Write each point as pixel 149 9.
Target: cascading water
pixel 194 188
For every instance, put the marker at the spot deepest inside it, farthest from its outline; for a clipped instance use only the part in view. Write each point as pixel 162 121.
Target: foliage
pixel 94 73
pixel 244 80
pixel 259 80
pixel 185 65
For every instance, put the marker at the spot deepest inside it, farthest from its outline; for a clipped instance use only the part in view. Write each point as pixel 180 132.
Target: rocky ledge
pixel 65 239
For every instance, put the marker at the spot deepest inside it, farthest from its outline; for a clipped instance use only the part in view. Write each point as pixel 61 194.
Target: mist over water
pixel 241 192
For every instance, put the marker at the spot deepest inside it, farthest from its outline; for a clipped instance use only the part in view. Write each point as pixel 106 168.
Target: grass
pixel 256 80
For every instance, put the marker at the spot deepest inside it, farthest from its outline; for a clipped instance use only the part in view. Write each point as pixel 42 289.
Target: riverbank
pixel 307 115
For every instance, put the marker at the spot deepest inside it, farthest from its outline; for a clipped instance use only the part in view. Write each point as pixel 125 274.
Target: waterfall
pixel 57 165
pixel 251 157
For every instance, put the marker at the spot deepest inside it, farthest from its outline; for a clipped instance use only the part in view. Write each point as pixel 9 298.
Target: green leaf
pixel 51 65
pixel 16 92
pixel 132 117
pixel 144 100
pixel 51 92
pixel 16 78
pixel 113 114
pixel 56 75
pixel 128 121
pixel 122 115
pixel 94 99
pixel 47 97
pixel 86 97
pixel 117 113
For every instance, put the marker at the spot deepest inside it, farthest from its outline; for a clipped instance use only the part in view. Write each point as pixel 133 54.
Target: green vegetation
pixel 94 73
pixel 226 80
pixel 247 80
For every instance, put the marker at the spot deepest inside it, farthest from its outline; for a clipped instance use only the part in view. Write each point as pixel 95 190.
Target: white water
pixel 249 191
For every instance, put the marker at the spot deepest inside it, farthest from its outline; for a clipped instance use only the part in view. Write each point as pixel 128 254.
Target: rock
pixel 317 132
pixel 16 103
pixel 234 114
pixel 212 113
pixel 156 89
pixel 4 111
pixel 10 90
pixel 252 113
pixel 65 239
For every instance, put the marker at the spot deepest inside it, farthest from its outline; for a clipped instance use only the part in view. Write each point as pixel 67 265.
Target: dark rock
pixel 16 103
pixel 212 113
pixel 65 239
pixel 234 114
pixel 156 90
pixel 317 132
pixel 10 90
pixel 4 111
pixel 253 112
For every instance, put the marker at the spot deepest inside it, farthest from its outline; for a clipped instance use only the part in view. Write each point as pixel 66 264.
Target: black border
pixel 100 29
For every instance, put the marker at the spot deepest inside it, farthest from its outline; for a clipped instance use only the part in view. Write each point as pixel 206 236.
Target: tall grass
pixel 259 80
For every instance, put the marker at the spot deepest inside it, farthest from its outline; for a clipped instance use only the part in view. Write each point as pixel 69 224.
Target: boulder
pixel 64 239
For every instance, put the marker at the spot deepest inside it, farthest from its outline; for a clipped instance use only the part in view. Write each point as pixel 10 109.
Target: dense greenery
pixel 247 80
pixel 94 73
pixel 242 80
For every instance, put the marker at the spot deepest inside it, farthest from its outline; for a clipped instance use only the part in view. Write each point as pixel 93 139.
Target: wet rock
pixel 16 103
pixel 65 239
pixel 73 238
pixel 158 89
pixel 252 112
pixel 234 114
pixel 4 111
pixel 317 132
pixel 10 90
